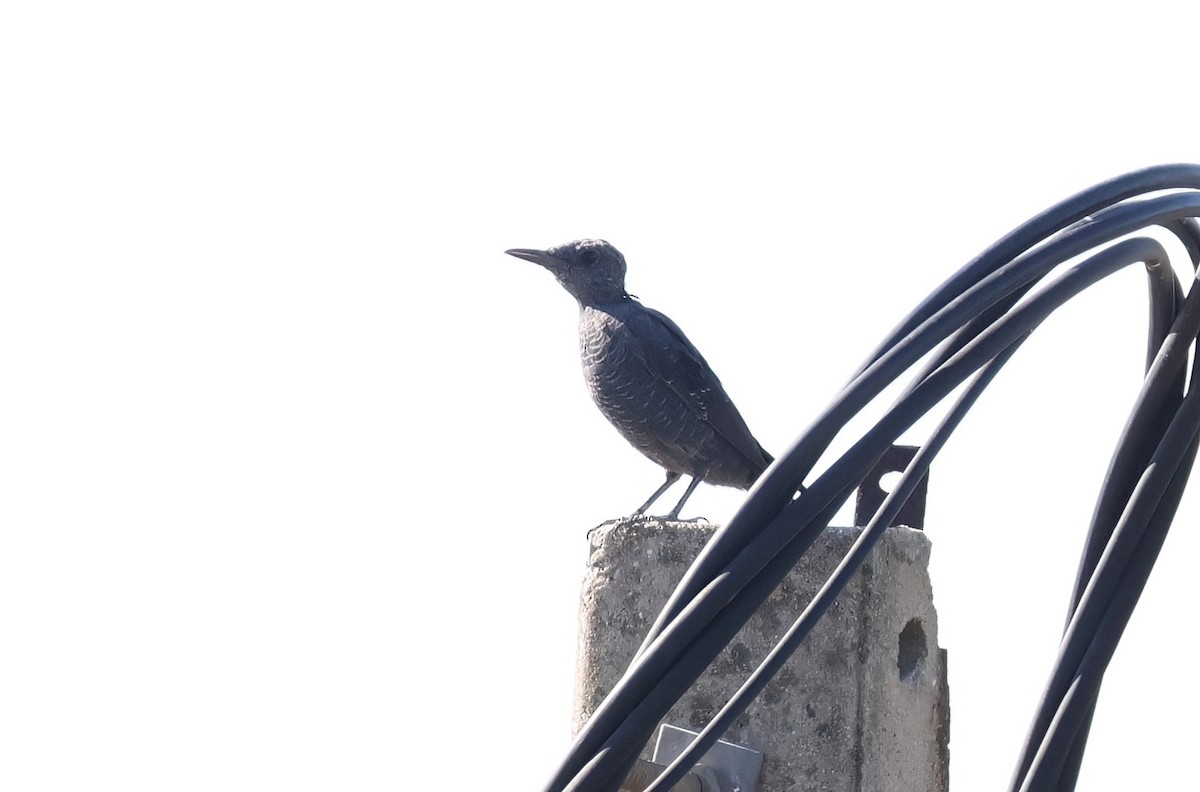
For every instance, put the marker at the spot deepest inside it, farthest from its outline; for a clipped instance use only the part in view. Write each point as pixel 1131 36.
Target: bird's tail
pixel 767 458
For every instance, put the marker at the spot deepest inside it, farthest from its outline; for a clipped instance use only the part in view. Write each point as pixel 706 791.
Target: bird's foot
pixel 675 518
pixel 636 517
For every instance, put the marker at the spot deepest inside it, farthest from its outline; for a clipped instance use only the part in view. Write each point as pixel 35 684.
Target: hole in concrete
pixel 912 648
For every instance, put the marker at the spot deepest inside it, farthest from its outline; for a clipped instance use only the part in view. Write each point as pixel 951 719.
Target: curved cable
pixel 976 320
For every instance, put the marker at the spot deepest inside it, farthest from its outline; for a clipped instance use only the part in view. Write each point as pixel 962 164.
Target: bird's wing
pixel 672 358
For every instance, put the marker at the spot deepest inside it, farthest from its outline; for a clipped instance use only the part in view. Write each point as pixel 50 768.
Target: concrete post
pixel 863 705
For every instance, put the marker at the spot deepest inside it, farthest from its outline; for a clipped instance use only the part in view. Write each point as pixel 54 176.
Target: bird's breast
pixel 636 382
pixel 601 347
pixel 629 394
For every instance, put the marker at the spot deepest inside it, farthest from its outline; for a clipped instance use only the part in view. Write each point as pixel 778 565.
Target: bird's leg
pixel 672 477
pixel 695 482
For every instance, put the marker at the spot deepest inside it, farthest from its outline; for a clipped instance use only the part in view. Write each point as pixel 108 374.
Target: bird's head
pixel 592 270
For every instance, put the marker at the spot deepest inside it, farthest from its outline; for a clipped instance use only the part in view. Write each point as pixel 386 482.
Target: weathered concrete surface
pixel 862 705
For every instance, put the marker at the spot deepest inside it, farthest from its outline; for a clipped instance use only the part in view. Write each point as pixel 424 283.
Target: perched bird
pixel 648 379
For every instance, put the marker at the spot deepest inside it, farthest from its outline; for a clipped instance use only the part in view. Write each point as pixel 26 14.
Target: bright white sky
pixel 296 466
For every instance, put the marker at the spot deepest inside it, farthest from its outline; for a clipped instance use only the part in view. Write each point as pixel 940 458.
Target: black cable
pixel 1137 513
pixel 839 480
pixel 1088 646
pixel 1040 227
pixel 978 317
pixel 1187 231
pixel 784 477
pixel 838 580
pixel 1024 320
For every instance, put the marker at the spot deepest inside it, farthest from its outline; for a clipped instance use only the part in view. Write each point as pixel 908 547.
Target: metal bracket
pixel 870 494
pixel 735 767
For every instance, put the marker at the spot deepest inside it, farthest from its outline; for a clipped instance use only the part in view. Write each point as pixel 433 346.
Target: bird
pixel 648 379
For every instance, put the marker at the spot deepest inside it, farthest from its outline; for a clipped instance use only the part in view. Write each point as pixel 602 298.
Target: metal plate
pixel 735 766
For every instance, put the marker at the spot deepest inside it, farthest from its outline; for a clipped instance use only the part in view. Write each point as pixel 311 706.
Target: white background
pixel 296 466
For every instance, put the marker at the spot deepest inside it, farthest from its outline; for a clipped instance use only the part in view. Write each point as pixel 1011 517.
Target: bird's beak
pixel 541 257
